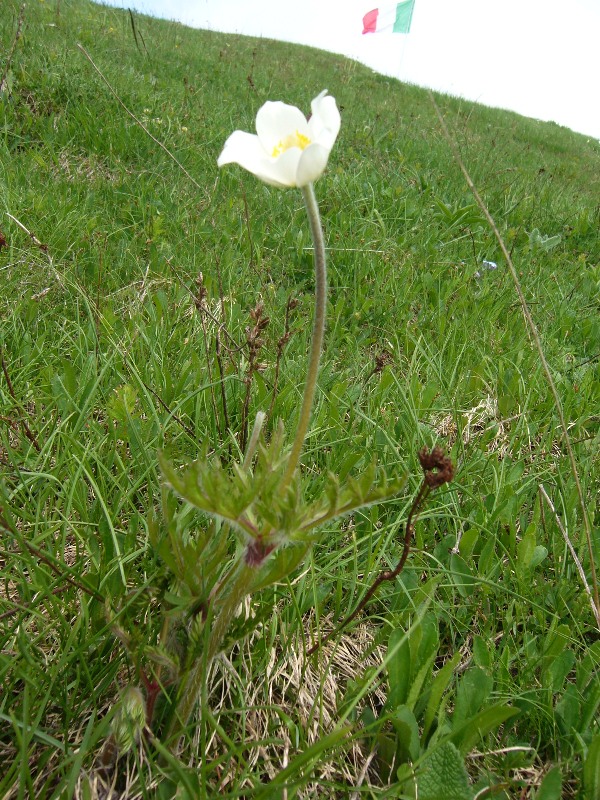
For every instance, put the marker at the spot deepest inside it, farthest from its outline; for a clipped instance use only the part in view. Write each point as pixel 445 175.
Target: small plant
pixel 261 499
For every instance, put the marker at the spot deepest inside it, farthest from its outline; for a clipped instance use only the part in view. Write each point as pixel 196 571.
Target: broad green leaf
pixel 443 775
pixel 473 730
pixel 539 554
pixel 556 641
pixel 398 668
pixel 407 735
pixel 591 702
pixel 418 681
pixel 473 690
pixel 551 785
pixel 280 566
pixel 462 575
pixel 525 550
pixel 591 770
pixel 558 670
pixel 438 687
pixel 468 541
pixel 481 654
pixel 568 710
pixel 428 646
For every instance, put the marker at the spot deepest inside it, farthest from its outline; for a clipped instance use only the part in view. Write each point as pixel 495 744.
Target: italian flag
pixel 396 18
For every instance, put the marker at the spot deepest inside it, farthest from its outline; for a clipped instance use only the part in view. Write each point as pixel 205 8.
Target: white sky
pixel 540 58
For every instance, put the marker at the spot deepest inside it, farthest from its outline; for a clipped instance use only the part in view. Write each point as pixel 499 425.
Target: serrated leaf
pixel 351 497
pixel 280 566
pixel 160 656
pixel 443 775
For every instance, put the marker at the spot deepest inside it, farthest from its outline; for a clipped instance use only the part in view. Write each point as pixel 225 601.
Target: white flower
pixel 288 150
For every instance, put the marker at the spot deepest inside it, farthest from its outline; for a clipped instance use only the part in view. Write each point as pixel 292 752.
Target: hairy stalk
pixel 193 682
pixel 318 332
pixel 239 588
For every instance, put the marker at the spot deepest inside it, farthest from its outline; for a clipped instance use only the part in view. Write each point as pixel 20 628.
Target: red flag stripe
pixel 370 21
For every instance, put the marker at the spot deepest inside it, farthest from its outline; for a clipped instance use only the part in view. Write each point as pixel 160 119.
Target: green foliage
pixel 443 775
pixel 130 719
pixel 551 785
pixel 591 769
pixel 251 500
pixel 424 733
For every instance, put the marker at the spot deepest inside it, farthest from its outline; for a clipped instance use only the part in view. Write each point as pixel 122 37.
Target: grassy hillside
pixel 129 293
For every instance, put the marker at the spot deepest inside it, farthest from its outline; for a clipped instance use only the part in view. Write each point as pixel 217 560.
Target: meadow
pixel 153 303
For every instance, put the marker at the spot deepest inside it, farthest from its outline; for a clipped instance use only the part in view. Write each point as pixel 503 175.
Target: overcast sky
pixel 538 57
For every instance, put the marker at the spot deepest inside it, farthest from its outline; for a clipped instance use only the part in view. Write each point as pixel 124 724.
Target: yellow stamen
pixel 296 139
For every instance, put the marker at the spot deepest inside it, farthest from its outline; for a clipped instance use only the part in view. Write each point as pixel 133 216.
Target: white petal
pixel 313 161
pixel 324 125
pixel 245 149
pixel 282 171
pixel 241 148
pixel 276 121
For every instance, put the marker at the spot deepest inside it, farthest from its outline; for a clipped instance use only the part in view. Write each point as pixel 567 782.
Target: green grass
pixel 107 360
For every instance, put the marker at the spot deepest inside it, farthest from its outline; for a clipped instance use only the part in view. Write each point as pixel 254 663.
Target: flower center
pixel 296 139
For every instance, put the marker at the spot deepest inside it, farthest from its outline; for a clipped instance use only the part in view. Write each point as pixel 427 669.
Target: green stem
pixel 318 332
pixel 195 677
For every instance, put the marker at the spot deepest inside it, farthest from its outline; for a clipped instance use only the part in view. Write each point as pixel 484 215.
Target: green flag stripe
pixel 404 12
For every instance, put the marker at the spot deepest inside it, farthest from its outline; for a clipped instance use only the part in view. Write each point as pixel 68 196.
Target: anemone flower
pixel 287 149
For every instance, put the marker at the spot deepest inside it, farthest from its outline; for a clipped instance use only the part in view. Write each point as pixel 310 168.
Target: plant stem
pixel 195 677
pixel 318 332
pixel 242 581
pixel 385 575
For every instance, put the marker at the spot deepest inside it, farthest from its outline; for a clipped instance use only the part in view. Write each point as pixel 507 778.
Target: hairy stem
pixel 437 470
pixel 192 685
pixel 318 333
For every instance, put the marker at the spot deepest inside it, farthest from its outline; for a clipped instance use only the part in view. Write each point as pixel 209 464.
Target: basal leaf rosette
pixel 287 149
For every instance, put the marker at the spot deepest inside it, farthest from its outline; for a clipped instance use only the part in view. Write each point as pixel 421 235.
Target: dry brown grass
pixel 294 703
